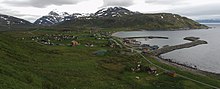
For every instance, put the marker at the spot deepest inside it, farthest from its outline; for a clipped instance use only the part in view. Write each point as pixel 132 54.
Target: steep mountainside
pixel 10 21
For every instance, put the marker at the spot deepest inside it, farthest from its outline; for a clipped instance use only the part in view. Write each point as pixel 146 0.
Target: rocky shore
pixel 191 69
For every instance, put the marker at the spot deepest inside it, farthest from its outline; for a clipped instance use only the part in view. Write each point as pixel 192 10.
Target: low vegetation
pixel 26 63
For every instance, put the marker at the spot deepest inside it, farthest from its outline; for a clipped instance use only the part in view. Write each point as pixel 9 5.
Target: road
pixel 185 77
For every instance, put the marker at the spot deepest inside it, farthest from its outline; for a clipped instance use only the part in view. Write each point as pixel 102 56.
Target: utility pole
pixel 9 22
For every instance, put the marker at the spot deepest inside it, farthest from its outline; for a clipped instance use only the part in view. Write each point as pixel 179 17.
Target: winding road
pixel 185 77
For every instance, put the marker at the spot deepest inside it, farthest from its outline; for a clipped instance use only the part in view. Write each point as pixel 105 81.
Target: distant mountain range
pixel 110 17
pixel 55 17
pixel 209 21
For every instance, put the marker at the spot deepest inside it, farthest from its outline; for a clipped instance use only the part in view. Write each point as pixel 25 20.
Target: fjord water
pixel 204 57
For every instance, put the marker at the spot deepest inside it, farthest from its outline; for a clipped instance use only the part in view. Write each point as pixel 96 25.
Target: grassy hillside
pixel 27 64
pixel 160 21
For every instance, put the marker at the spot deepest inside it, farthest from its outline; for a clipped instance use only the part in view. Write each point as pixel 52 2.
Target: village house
pixel 171 73
pixel 74 43
pixel 149 69
pixel 152 70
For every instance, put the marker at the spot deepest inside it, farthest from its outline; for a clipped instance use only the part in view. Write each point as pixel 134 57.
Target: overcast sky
pixel 33 9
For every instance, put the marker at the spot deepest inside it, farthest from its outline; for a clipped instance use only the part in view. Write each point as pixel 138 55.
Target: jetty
pixel 194 42
pixel 149 37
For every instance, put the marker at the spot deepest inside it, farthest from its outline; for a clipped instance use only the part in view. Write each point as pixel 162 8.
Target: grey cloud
pixel 202 11
pixel 10 12
pixel 165 2
pixel 30 18
pixel 40 3
pixel 14 13
pixel 118 3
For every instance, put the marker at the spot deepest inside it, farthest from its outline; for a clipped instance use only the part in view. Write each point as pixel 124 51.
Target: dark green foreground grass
pixel 25 64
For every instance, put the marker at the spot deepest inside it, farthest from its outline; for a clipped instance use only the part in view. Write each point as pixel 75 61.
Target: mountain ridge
pixel 114 12
pixel 7 22
pixel 119 17
pixel 55 17
pixel 156 21
pixel 114 17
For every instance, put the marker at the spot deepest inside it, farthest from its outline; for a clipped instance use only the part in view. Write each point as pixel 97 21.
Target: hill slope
pixel 119 17
pixel 26 64
pixel 159 21
pixel 12 22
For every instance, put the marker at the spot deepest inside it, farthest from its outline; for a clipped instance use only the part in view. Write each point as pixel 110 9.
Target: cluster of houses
pixel 60 37
pixel 56 39
pixel 131 42
pixel 101 35
pixel 144 47
pixel 48 39
pixel 151 70
pixel 142 68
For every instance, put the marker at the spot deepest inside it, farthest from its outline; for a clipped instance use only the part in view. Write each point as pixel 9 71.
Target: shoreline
pixel 172 29
pixel 184 67
pixel 114 34
pixel 180 66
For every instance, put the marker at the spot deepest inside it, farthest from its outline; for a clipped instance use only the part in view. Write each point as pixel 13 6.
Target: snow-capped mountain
pixel 79 15
pixel 6 20
pixel 52 18
pixel 55 17
pixel 114 12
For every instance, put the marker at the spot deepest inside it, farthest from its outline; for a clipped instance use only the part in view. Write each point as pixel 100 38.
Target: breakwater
pixel 149 37
pixel 194 42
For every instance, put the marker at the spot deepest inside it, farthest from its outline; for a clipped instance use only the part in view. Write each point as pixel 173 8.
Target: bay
pixel 204 57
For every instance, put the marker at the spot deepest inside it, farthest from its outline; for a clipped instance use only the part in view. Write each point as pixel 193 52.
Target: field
pixel 28 63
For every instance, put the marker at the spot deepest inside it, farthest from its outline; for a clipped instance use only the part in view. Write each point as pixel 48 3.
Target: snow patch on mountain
pixel 55 17
pixel 114 12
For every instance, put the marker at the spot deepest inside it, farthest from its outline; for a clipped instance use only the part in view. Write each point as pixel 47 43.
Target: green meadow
pixel 26 63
